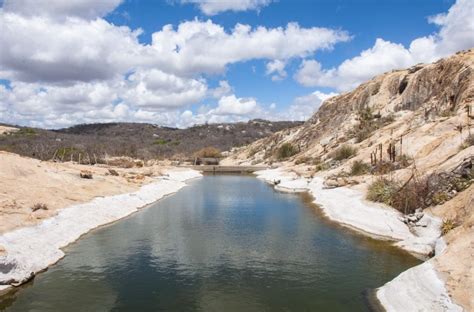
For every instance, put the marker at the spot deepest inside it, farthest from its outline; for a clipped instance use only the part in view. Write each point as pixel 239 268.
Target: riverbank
pixel 29 250
pixel 418 289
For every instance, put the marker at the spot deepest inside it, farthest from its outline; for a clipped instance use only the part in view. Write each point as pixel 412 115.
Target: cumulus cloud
pixel 276 69
pixel 206 47
pixel 213 7
pixel 89 9
pixel 456 33
pixel 68 66
pixel 42 49
pixel 224 88
pixel 383 56
pixel 305 106
pixel 156 90
pixel 231 105
pixel 81 50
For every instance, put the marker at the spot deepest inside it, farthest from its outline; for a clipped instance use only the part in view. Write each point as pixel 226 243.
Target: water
pixel 224 243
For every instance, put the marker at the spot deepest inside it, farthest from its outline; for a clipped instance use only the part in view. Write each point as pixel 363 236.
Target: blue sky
pixel 398 21
pixel 96 61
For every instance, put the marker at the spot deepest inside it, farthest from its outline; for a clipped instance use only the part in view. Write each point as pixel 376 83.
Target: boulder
pixel 86 174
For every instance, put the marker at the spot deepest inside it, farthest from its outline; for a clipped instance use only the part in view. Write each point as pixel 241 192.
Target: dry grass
pixel 343 152
pixel 383 190
pixel 468 142
pixel 448 225
pixel 286 150
pixel 359 168
pixel 208 152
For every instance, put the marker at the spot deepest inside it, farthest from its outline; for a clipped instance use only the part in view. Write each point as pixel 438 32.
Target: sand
pixel 26 182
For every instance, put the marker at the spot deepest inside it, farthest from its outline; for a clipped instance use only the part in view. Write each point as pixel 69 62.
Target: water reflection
pixel 225 243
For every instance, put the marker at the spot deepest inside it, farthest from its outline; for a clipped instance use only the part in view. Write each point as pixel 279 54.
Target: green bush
pixel 322 167
pixel 24 132
pixel 359 168
pixel 369 123
pixel 160 142
pixel 286 150
pixel 383 190
pixel 343 152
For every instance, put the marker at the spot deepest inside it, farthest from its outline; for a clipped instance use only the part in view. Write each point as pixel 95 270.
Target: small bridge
pixel 228 169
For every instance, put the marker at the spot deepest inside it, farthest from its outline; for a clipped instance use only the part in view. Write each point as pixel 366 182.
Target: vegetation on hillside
pixel 286 150
pixel 94 143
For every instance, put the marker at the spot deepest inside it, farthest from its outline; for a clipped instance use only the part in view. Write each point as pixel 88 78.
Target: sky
pixel 184 62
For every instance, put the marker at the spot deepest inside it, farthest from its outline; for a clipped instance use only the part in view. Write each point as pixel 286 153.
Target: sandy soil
pixel 25 182
pixel 5 129
pixel 456 264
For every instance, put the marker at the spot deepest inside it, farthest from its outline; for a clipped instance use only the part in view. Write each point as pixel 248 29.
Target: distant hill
pixel 140 140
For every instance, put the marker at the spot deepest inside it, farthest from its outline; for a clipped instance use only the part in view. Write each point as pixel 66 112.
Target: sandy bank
pixel 348 207
pixel 26 182
pixel 417 289
pixel 32 249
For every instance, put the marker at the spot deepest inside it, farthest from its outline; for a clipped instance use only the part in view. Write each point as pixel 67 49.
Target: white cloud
pixel 456 33
pixel 231 105
pixel 157 90
pixel 383 56
pixel 88 9
pixel 304 107
pixel 276 69
pixel 42 49
pixel 70 69
pixel 205 47
pixel 75 49
pixel 213 7
pixel 224 88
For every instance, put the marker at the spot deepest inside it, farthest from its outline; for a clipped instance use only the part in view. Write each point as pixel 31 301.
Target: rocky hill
pixel 406 139
pixel 138 140
pixel 423 99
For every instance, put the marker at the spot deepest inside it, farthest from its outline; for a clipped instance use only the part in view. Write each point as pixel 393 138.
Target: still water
pixel 224 243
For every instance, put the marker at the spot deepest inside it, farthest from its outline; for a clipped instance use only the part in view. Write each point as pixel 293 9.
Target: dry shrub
pixel 468 142
pixel 404 161
pixel 448 225
pixel 304 160
pixel 252 152
pixel 383 190
pixel 369 123
pixel 208 152
pixel 39 206
pixel 322 167
pixel 122 162
pixel 359 168
pixel 418 192
pixel 286 150
pixel 384 167
pixel 113 172
pixel 343 152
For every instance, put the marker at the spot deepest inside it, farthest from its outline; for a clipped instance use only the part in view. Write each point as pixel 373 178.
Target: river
pixel 223 243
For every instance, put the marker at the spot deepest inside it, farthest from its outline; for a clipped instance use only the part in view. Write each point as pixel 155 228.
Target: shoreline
pixel 419 288
pixel 33 249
